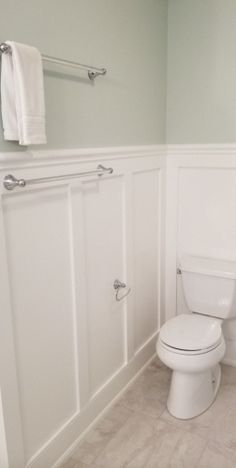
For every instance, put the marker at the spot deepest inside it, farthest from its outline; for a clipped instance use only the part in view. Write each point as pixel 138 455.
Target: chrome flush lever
pixel 118 285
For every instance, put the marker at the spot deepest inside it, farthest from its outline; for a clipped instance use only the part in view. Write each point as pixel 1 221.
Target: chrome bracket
pixel 10 182
pixel 93 74
pixel 118 285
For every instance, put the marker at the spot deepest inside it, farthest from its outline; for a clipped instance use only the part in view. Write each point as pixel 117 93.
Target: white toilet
pixel 192 345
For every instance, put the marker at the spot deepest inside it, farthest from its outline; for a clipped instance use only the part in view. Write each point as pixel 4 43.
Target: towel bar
pixel 10 181
pixel 93 72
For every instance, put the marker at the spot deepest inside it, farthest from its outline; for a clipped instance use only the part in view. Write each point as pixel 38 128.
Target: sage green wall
pixel 127 107
pixel 201 71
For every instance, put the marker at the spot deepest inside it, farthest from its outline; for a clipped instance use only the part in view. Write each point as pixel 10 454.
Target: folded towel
pixel 22 95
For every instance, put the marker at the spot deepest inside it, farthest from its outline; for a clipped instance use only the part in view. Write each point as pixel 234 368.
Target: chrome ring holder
pixel 118 285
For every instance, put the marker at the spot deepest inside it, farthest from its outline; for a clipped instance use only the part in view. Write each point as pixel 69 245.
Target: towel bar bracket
pixel 4 48
pixel 10 182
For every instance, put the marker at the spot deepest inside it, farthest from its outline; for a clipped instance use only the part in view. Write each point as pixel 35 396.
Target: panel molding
pixel 126 161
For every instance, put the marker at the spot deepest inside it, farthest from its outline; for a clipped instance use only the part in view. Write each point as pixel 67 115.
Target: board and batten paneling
pixel 69 348
pixel 201 204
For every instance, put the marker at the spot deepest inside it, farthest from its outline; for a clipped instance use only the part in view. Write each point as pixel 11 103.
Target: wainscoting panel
pixel 69 347
pixel 200 217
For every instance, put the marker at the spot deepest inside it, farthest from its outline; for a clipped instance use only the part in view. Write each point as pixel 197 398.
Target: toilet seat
pixel 191 334
pixel 186 352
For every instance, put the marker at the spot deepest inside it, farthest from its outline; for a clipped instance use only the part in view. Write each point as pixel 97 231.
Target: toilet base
pixel 192 394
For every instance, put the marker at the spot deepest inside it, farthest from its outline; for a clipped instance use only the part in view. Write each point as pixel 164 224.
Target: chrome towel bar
pixel 10 181
pixel 93 72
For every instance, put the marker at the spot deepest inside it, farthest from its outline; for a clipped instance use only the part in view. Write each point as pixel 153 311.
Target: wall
pixel 72 347
pixel 127 107
pixel 201 71
pixel 201 197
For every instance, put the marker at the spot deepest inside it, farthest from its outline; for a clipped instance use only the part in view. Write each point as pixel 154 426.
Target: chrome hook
pixel 118 285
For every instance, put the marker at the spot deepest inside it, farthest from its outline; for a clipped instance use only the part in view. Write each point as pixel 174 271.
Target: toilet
pixel 192 344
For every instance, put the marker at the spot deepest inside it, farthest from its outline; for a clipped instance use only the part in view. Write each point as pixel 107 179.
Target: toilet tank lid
pixel 208 266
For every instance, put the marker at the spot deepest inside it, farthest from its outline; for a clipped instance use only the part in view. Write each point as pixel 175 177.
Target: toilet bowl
pixel 193 355
pixel 192 344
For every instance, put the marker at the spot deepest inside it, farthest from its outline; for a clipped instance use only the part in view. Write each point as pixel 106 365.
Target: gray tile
pixel 96 440
pixel 214 458
pixel 73 464
pixel 128 442
pixel 207 423
pixel 224 433
pixel 228 375
pixel 149 392
pixel 146 442
pixel 187 451
pixel 217 424
pixel 138 432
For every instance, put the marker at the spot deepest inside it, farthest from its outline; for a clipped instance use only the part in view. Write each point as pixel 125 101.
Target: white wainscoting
pixel 201 208
pixel 69 348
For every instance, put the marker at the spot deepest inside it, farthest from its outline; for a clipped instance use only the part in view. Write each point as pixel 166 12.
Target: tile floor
pixel 138 431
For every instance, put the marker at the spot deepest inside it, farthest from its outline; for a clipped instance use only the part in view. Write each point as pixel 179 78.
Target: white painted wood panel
pixel 207 204
pixel 105 261
pixel 69 347
pixel 201 192
pixel 37 242
pixel 207 226
pixel 146 195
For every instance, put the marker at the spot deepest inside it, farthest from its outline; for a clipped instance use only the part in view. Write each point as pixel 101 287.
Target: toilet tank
pixel 209 286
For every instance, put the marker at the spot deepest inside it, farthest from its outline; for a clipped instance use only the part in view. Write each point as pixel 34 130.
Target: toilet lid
pixel 191 332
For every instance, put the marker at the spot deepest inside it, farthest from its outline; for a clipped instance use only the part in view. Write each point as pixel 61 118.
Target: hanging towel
pixel 22 95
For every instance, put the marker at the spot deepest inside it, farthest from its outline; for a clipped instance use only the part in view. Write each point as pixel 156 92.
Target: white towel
pixel 22 95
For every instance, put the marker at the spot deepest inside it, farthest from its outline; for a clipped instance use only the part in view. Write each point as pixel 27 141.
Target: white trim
pixel 201 149
pixel 113 152
pixel 81 154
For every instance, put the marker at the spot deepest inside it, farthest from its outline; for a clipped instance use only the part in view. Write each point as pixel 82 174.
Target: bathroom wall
pixel 127 107
pixel 201 71
pixel 201 202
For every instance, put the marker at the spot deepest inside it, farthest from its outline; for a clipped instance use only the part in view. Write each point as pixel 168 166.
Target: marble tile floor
pixel 138 431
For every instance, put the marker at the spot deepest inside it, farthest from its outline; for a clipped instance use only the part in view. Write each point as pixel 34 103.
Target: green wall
pixel 129 37
pixel 127 107
pixel 201 86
